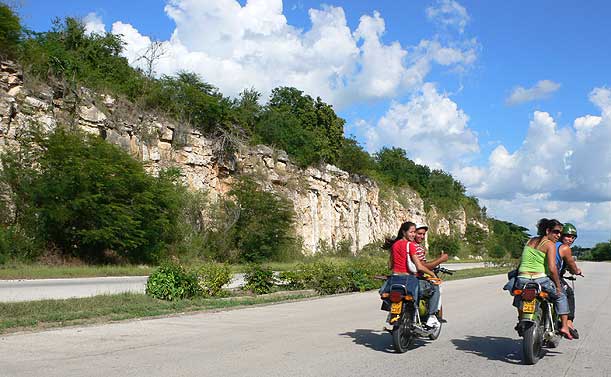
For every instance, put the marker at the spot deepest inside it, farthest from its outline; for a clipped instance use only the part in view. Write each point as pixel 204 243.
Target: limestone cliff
pixel 331 205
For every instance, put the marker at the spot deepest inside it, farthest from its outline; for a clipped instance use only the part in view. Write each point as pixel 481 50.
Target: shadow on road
pixel 495 348
pixel 377 340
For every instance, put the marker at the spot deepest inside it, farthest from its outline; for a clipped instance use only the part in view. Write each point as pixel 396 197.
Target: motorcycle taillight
pixel 529 294
pixel 396 296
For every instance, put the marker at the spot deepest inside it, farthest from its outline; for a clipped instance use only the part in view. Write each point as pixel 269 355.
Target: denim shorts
pixel 561 302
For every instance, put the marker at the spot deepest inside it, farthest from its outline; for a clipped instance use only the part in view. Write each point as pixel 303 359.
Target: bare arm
pixel 421 267
pixel 550 253
pixel 436 262
pixel 567 255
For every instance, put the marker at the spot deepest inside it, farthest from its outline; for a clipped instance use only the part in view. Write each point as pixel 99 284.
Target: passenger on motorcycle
pixel 403 259
pixel 538 264
pixel 564 261
pixel 430 285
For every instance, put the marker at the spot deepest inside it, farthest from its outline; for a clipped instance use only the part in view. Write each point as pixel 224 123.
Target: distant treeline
pixel 308 129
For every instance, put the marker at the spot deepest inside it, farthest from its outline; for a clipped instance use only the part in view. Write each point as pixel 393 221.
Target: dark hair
pixel 544 224
pixel 404 228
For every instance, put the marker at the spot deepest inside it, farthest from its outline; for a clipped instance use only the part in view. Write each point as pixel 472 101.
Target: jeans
pixel 560 301
pixel 430 290
pixel 570 295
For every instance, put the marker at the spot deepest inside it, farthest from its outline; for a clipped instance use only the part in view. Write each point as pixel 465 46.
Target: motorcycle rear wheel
pixel 532 344
pixel 402 336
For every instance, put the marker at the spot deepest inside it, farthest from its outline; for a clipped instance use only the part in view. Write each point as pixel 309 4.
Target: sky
pixel 513 98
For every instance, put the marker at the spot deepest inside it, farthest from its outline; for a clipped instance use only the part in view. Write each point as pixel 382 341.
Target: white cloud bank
pixel 542 89
pixel 236 47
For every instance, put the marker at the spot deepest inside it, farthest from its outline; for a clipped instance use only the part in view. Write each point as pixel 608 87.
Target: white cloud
pixel 557 172
pixel 236 47
pixel 542 89
pixel 430 127
pixel 448 13
pixel 93 24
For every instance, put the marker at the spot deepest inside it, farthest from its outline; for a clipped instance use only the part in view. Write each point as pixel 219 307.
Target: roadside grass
pixel 40 271
pixel 44 314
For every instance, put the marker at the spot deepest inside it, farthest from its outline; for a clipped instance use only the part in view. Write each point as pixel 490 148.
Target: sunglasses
pixel 556 231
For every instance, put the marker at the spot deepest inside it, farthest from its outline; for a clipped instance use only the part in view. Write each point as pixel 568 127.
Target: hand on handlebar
pixel 435 280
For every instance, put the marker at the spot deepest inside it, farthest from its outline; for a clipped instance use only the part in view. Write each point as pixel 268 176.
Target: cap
pixel 421 225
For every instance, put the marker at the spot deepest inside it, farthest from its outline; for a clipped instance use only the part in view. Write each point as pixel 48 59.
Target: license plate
pixel 528 306
pixel 395 308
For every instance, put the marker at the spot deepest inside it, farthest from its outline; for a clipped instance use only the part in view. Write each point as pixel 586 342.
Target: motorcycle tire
pixel 532 344
pixel 402 336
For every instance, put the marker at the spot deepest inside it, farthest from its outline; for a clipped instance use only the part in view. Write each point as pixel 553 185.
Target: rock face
pixel 330 204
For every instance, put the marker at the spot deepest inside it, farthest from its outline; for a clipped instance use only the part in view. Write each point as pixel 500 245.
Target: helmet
pixel 569 229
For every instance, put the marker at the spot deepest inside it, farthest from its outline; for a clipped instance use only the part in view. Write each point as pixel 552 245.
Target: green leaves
pixel 91 199
pixel 171 282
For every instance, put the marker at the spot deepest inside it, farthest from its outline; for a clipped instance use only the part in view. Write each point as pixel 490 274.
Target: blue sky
pixel 512 98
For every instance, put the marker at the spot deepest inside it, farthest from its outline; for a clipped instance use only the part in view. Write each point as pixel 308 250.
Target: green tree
pixel 601 251
pixel 353 159
pixel 264 228
pixel 10 32
pixel 90 199
pixel 307 129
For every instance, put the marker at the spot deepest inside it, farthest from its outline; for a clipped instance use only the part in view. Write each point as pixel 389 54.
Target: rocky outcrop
pixel 330 204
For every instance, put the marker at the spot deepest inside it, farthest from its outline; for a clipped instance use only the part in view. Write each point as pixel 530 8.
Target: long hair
pixel 404 228
pixel 544 224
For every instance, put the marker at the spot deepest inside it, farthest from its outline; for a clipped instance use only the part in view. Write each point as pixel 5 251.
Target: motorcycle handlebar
pixel 572 277
pixel 444 270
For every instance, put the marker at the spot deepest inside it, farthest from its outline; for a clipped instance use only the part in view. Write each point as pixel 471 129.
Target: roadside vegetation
pixel 70 199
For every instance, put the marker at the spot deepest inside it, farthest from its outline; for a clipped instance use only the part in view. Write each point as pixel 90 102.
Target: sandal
pixel 566 335
pixel 574 333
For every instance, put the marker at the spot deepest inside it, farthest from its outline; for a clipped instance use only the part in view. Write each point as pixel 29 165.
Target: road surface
pixel 332 336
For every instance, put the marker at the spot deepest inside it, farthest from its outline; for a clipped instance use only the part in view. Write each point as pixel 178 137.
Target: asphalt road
pixel 41 289
pixel 333 336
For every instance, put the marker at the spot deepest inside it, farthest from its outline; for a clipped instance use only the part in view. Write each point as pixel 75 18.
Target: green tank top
pixel 533 260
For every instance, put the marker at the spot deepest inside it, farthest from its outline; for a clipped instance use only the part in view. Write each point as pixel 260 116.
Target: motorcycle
pixel 406 314
pixel 539 323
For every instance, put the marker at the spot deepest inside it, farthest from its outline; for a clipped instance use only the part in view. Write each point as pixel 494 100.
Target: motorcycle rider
pixel 432 283
pixel 403 256
pixel 538 264
pixel 564 261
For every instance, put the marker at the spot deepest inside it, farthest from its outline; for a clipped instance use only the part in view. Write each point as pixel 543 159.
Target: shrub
pixel 170 282
pixel 15 244
pixel 259 279
pixel 211 278
pixel 265 224
pixel 10 32
pixel 444 243
pixel 89 198
pixel 361 271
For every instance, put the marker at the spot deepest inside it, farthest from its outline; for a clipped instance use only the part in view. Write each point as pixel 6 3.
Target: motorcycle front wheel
pixel 532 344
pixel 402 336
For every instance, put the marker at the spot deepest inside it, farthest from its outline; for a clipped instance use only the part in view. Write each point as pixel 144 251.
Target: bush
pixel 442 243
pixel 10 32
pixel 259 279
pixel 16 245
pixel 211 278
pixel 264 228
pixel 170 282
pixel 90 199
pixel 361 271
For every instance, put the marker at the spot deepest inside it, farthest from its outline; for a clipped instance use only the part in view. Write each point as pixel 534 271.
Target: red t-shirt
pixel 399 255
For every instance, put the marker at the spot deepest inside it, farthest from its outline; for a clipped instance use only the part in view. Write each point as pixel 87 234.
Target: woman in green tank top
pixel 538 263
